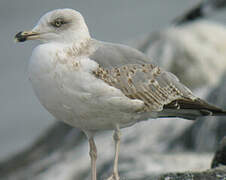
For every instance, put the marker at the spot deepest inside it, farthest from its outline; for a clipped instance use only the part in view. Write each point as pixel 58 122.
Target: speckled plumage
pixel 145 82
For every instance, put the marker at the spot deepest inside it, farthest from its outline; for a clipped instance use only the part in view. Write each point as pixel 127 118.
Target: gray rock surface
pixel 195 52
pixel 207 132
pixel 216 174
pixel 202 9
pixel 220 155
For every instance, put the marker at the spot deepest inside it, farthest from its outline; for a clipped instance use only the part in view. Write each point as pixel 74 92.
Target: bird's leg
pixel 116 137
pixel 93 156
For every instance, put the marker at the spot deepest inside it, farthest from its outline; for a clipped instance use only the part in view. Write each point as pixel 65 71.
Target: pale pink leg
pixel 116 137
pixel 93 156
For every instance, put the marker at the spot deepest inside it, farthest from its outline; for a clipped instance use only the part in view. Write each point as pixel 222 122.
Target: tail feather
pixel 190 109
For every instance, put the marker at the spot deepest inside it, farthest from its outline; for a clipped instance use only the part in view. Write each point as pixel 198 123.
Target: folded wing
pixel 131 72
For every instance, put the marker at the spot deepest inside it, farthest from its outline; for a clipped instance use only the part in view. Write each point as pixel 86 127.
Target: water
pixel 22 118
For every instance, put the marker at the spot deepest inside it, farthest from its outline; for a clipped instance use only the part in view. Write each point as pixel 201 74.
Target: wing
pixel 146 82
pixel 160 91
pixel 130 71
pixel 109 55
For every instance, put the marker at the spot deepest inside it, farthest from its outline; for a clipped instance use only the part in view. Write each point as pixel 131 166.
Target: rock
pixel 64 154
pixel 206 133
pixel 189 51
pixel 216 174
pixel 42 154
pixel 202 9
pixel 220 155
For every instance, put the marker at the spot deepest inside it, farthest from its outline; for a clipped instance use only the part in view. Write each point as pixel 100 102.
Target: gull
pixel 94 85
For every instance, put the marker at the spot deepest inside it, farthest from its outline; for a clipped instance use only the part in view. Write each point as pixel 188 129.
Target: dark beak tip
pixel 18 34
pixel 19 37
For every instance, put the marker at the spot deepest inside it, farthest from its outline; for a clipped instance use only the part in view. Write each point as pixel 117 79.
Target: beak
pixel 26 35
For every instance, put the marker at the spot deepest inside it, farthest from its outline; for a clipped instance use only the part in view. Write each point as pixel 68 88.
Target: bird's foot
pixel 114 176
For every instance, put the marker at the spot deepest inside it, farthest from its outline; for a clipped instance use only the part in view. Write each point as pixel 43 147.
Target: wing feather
pixel 110 55
pixel 146 82
pixel 130 71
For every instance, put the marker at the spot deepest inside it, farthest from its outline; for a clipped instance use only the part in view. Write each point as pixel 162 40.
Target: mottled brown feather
pixel 146 82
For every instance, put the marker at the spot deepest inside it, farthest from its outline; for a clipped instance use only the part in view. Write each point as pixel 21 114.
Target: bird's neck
pixel 80 47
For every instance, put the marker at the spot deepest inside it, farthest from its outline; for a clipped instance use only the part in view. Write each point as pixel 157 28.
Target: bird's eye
pixel 58 22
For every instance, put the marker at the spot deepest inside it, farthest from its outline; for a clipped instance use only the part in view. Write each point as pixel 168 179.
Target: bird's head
pixel 61 25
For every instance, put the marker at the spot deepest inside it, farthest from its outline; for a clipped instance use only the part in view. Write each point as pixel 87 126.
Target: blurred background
pixel 22 118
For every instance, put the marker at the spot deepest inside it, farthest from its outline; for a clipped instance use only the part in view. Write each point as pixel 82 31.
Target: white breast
pixel 67 88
